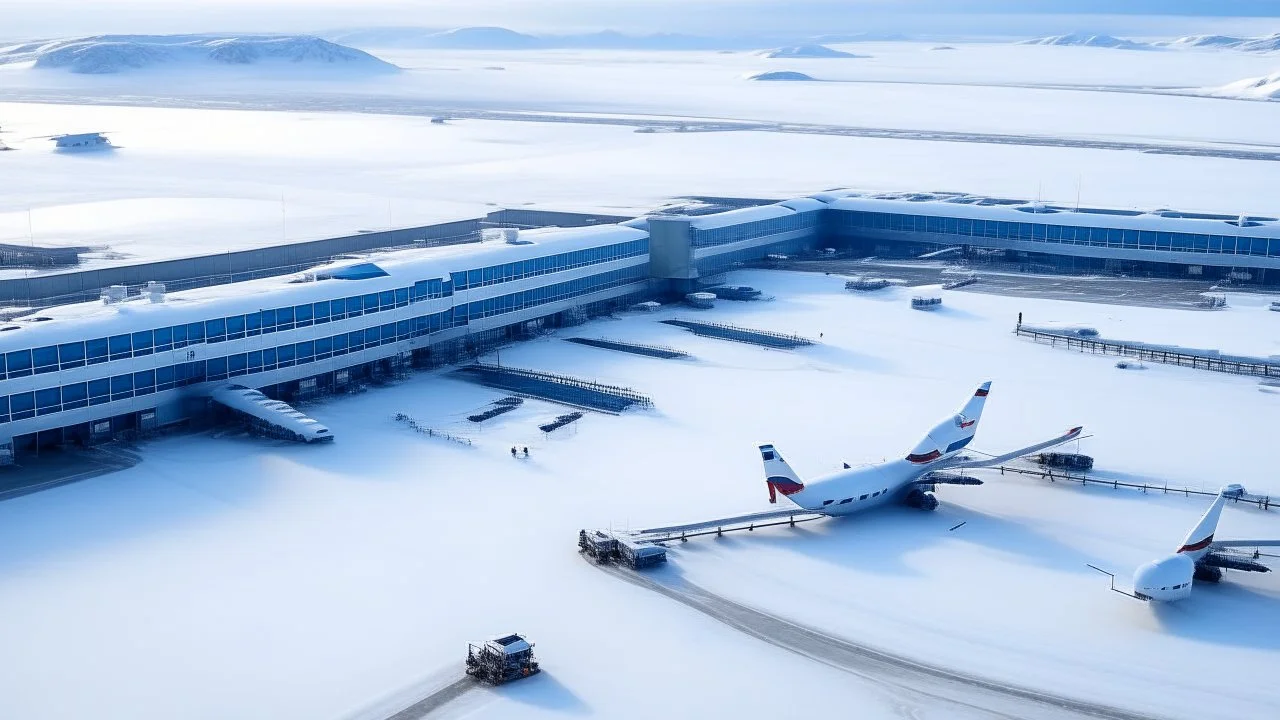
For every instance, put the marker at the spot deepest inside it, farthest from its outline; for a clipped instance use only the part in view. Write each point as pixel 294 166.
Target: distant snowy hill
pixel 779 75
pixel 497 38
pixel 108 54
pixel 1248 44
pixel 1266 87
pixel 1083 40
pixel 811 50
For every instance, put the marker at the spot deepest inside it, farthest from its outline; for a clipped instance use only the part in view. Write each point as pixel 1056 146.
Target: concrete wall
pixel 204 270
pixel 670 249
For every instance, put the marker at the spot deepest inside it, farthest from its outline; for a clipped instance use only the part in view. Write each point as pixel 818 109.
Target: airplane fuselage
pixel 861 488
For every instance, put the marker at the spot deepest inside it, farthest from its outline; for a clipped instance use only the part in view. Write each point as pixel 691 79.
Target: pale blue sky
pixel 33 18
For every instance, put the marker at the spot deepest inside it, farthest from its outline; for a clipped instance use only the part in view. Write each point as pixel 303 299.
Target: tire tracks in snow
pixel 407 106
pixel 883 668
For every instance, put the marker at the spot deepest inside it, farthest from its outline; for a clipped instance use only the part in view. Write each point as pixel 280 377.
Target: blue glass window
pixel 46 359
pixel 121 387
pixel 284 318
pixel 4 408
pixel 237 365
pixel 48 400
pixel 284 355
pixel 269 359
pixel 22 406
pixel 215 330
pixel 99 391
pixel 179 336
pixel 338 309
pixel 321 312
pixel 255 361
pixel 370 303
pixel 164 378
pixel 71 355
pixel 268 321
pixel 164 339
pixel 340 344
pixel 253 324
pixel 355 340
pixel 302 315
pixel 306 351
pixel 195 333
pixel 75 396
pixel 216 368
pixel 324 347
pixel 402 297
pixel 142 343
pixel 144 382
pixel 354 306
pixel 121 347
pixel 19 363
pixel 386 299
pixel 235 327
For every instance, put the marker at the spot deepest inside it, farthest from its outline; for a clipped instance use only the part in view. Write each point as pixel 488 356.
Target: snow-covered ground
pixel 198 175
pixel 229 577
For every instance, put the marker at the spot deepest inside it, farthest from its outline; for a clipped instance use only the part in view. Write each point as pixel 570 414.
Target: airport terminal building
pixel 131 362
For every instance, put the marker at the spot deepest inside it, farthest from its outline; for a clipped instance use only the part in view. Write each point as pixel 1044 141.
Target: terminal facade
pixel 85 372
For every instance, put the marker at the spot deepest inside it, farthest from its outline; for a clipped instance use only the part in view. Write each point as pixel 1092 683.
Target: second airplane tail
pixel 954 433
pixel 778 474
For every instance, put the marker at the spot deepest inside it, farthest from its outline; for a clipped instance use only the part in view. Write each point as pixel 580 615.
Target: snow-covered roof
pixel 398 269
pixel 742 215
pixel 981 208
pixel 804 204
pixel 252 402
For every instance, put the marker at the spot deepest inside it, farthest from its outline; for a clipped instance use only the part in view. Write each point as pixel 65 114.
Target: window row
pixel 22 406
pixel 21 363
pixel 1039 232
pixel 756 229
pixel 532 267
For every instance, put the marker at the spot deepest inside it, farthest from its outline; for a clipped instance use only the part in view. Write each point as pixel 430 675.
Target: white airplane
pixel 1199 557
pixel 909 480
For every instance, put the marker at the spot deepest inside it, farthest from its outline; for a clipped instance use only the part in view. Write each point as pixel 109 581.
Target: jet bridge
pixel 272 418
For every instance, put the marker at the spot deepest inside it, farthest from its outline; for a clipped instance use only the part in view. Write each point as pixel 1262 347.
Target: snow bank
pixel 780 75
pixel 808 50
pixel 109 54
pixel 1083 40
pixel 1266 87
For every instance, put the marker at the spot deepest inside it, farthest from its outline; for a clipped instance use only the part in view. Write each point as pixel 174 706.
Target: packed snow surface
pixel 231 577
pixel 808 51
pixel 342 157
pixel 109 54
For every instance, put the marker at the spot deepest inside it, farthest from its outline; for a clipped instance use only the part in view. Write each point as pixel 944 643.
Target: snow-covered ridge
pixel 106 54
pixel 808 50
pixel 1247 44
pixel 1266 87
pixel 1085 40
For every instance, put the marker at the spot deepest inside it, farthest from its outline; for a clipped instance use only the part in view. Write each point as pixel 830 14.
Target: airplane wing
pixel 1068 436
pixel 796 512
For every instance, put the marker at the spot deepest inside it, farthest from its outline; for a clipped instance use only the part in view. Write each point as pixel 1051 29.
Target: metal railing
pixel 1168 357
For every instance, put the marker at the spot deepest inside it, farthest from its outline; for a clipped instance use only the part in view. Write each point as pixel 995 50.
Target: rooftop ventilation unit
pixel 154 291
pixel 114 294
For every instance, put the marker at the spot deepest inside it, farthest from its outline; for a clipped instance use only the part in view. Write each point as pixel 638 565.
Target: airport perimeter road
pixel 912 682
pixel 392 105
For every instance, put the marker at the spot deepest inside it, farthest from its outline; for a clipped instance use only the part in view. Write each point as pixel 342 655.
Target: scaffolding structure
pixel 766 338
pixel 556 388
pixel 505 405
pixel 657 351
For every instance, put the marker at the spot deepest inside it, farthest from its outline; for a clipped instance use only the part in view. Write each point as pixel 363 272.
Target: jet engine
pixel 921 499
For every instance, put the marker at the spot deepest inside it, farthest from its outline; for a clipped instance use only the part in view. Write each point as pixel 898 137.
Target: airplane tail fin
pixel 952 434
pixel 1197 543
pixel 778 474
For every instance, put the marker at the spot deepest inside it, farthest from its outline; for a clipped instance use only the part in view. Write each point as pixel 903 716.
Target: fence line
pixel 1167 357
